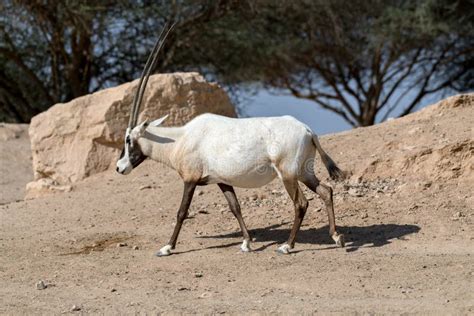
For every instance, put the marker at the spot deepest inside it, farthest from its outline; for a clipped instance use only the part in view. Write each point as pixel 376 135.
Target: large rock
pixel 74 140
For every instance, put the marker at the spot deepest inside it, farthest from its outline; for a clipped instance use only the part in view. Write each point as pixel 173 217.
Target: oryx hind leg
pixel 325 193
pixel 234 206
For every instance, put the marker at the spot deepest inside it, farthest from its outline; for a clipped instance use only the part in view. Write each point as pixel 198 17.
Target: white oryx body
pixel 246 153
pixel 213 149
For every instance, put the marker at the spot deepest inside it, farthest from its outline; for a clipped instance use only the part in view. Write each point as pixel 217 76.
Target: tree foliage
pixel 361 59
pixel 53 51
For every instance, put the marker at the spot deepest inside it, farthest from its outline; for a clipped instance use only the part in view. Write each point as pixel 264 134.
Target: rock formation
pixel 74 140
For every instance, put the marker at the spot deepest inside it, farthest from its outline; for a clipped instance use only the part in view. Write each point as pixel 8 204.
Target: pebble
pixel 183 289
pixel 354 192
pixel 121 244
pixel 198 274
pixel 75 308
pixel 200 192
pixel 41 285
pixel 136 248
pixel 144 187
pixel 205 295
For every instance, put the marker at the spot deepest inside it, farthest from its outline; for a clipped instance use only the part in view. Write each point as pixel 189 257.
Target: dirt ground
pixel 15 162
pixel 406 210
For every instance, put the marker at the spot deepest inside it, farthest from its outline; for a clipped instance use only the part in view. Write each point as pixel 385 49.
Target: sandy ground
pixel 15 162
pixel 407 213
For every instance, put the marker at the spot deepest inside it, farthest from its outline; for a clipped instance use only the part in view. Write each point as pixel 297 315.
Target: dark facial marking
pixel 136 156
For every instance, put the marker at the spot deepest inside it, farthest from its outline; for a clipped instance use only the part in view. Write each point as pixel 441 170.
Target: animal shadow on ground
pixel 355 236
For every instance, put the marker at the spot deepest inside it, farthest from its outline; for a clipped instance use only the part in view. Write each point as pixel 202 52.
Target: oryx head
pixel 132 154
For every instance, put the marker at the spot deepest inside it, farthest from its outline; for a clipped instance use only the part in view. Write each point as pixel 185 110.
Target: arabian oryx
pixel 246 153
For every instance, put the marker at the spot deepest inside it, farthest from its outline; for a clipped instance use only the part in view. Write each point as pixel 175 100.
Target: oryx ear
pixel 159 121
pixel 142 127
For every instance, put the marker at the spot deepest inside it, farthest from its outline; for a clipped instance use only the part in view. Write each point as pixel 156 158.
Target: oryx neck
pixel 158 143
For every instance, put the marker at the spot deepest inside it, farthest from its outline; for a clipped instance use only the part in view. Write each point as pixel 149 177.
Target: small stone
pixel 363 216
pixel 205 295
pixel 113 290
pixel 198 274
pixel 136 248
pixel 200 192
pixel 121 244
pixel 144 187
pixel 41 285
pixel 75 308
pixel 354 192
pixel 183 289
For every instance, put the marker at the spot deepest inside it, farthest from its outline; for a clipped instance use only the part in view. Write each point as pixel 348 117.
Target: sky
pixel 320 121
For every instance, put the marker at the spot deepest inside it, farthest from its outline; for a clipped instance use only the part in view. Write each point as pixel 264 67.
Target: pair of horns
pixel 149 66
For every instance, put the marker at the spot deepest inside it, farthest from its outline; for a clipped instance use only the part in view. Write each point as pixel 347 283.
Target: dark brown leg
pixel 301 205
pixel 325 193
pixel 182 214
pixel 231 198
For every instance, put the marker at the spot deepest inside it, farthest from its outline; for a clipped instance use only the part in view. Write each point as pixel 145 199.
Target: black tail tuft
pixel 334 172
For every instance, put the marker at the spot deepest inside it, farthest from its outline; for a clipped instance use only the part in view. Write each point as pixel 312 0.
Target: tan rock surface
pixel 80 138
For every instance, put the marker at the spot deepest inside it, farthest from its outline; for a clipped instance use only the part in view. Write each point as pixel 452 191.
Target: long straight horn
pixel 132 120
pixel 149 66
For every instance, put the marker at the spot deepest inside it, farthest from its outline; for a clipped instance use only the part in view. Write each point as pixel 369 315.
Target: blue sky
pixel 321 121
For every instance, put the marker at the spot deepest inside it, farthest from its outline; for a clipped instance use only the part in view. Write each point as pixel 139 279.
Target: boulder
pixel 74 140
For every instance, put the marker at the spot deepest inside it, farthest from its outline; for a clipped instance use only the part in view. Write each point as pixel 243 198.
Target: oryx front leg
pixel 182 214
pixel 231 198
pixel 301 205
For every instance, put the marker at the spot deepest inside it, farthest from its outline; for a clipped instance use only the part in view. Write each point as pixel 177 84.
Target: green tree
pixel 53 51
pixel 360 59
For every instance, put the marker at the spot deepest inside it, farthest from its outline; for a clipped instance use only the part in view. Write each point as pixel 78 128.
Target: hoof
pixel 284 249
pixel 339 239
pixel 165 251
pixel 245 247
